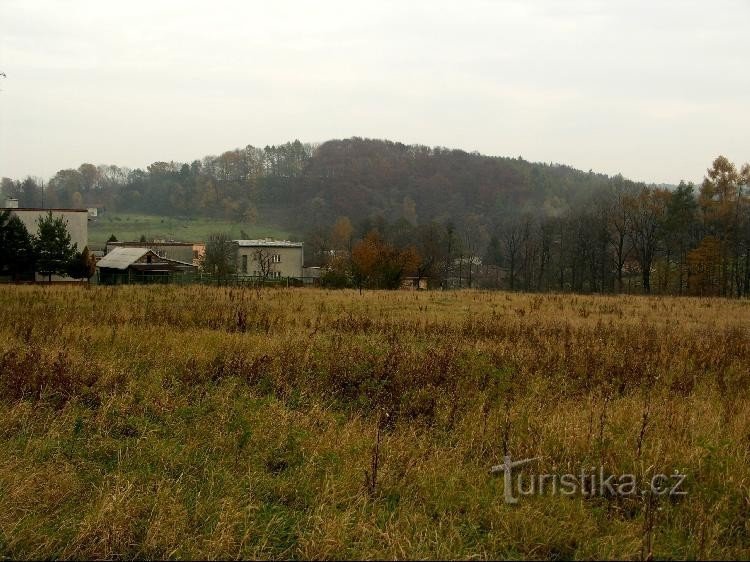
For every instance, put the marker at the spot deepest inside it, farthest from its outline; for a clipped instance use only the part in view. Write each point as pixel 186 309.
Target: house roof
pixel 154 244
pixel 121 258
pixel 268 243
pixel 39 210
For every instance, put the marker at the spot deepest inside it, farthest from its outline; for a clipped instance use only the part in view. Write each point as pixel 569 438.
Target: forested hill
pixel 302 186
pixel 439 213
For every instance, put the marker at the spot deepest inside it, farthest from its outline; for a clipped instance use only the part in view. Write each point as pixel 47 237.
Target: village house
pixel 269 259
pixel 139 265
pixel 415 283
pixel 189 252
pixel 463 272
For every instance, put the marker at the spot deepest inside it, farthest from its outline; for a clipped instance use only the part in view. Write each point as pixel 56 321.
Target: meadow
pixel 211 422
pixel 131 226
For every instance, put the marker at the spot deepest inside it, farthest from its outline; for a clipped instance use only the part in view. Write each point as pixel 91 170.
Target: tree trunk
pixel 647 280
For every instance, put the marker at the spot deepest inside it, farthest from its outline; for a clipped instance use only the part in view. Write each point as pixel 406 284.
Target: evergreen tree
pixel 53 247
pixel 82 266
pixel 16 246
pixel 4 250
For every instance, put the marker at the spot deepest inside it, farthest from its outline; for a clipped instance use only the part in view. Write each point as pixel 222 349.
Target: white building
pixel 77 221
pixel 268 258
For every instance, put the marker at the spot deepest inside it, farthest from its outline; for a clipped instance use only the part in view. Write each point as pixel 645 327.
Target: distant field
pixel 203 422
pixel 127 227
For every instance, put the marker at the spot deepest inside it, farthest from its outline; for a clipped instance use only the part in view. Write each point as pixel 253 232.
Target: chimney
pixel 11 203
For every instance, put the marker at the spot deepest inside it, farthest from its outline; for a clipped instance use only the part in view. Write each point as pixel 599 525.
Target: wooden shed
pixel 139 265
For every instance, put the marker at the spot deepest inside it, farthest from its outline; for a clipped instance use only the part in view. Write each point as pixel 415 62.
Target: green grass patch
pixel 130 226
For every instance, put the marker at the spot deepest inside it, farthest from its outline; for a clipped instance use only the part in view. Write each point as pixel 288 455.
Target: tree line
pixel 48 252
pixel 626 237
pixel 301 186
pixel 229 186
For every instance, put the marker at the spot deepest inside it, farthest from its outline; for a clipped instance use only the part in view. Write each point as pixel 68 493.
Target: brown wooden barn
pixel 139 265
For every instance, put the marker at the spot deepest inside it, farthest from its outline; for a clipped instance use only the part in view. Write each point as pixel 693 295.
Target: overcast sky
pixel 654 90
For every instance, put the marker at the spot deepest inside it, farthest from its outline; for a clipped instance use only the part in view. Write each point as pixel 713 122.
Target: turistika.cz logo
pixel 593 482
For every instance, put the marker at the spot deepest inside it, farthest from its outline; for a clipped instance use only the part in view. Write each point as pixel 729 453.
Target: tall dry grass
pixel 213 422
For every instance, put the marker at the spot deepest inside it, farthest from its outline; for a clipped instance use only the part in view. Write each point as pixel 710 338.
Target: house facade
pixel 269 259
pixel 77 221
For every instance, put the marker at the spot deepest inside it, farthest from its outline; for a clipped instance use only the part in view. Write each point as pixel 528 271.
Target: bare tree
pixel 474 238
pixel 265 262
pixel 645 214
pixel 511 237
pixel 618 228
pixel 220 256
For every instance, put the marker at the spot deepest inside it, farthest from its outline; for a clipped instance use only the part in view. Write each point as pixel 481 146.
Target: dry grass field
pixel 207 422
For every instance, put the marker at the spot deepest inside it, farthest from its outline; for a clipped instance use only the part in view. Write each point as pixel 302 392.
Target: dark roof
pixel 44 210
pixel 158 266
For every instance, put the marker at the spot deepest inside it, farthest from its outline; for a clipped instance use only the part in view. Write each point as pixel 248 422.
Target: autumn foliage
pixel 378 264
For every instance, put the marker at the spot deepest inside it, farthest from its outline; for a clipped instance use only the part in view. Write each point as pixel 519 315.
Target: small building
pixel 139 265
pixel 76 221
pixel 463 273
pixel 189 252
pixel 94 209
pixel 311 275
pixel 414 283
pixel 269 259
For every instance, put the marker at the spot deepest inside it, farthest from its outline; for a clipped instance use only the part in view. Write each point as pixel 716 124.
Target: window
pixel 244 264
pixel 277 258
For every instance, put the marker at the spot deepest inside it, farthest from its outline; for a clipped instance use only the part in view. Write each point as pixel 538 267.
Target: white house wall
pixel 289 266
pixel 76 221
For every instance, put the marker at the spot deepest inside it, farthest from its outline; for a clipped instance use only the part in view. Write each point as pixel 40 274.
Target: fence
pixel 202 279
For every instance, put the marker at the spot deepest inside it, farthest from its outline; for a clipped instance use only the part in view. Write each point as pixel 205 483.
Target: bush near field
pixel 205 422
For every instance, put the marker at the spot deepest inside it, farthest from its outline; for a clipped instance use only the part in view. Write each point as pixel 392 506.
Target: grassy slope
pixel 197 422
pixel 128 227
